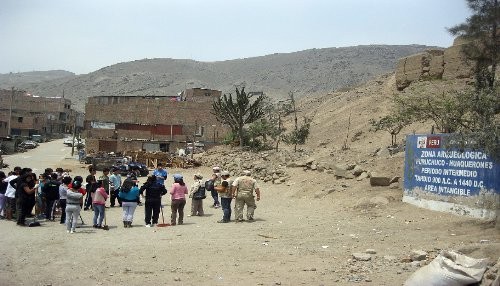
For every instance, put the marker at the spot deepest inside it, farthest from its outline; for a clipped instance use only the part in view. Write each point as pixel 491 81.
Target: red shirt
pixel 81 190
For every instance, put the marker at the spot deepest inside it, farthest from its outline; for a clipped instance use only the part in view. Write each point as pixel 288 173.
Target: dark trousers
pixel 62 204
pixel 114 195
pixel 177 207
pixel 23 207
pixel 49 209
pixel 154 208
pixel 215 196
pixel 226 208
pixel 88 201
pixel 30 204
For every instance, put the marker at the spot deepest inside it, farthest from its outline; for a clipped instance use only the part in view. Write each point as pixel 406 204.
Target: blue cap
pixel 178 177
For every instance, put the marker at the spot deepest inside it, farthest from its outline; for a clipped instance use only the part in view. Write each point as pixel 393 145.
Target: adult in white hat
pixel 197 194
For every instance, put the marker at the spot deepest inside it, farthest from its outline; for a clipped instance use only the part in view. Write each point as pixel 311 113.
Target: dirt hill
pixel 315 71
pixel 17 80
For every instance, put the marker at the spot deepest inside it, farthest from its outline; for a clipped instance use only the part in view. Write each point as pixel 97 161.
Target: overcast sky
pixel 82 36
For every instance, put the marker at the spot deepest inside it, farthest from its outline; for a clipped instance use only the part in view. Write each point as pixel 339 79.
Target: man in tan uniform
pixel 243 188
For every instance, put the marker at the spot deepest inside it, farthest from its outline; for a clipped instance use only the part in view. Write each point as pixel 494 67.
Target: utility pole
pixel 74 135
pixel 10 112
pixel 194 137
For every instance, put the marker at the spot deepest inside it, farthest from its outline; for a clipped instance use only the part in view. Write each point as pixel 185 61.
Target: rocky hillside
pixel 17 80
pixel 315 71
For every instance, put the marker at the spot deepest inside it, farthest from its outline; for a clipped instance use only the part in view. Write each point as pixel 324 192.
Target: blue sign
pixel 432 169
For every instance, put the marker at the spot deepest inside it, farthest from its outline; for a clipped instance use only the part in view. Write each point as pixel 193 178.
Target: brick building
pixel 164 123
pixel 23 114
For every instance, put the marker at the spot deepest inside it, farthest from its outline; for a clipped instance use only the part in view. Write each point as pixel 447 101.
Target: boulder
pixel 297 164
pixel 436 67
pixel 338 173
pixel 410 69
pixel 362 176
pixel 380 181
pixel 455 64
pixel 418 255
pixel 361 256
pixel 357 170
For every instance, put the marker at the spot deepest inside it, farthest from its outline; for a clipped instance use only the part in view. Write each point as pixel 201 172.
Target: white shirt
pixel 10 192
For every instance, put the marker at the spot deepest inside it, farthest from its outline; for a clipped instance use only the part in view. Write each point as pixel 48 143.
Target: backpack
pixel 209 185
pixel 51 190
pixel 200 193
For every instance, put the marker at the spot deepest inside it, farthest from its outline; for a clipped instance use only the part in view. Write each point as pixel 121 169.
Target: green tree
pixel 392 123
pixel 299 134
pixel 238 112
pixel 479 124
pixel 269 126
pixel 481 30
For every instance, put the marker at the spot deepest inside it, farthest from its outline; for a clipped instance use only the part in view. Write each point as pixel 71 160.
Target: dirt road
pixel 297 239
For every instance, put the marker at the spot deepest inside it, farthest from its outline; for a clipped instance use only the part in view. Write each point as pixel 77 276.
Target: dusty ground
pixel 296 240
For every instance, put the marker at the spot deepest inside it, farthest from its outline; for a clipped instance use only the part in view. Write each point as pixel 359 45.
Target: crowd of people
pixel 22 192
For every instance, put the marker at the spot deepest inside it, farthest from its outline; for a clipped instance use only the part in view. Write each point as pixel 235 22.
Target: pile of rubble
pixel 272 166
pixel 265 166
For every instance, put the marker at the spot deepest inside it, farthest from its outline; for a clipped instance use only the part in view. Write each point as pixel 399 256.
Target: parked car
pixel 69 142
pixel 28 144
pixel 141 169
pixel 38 138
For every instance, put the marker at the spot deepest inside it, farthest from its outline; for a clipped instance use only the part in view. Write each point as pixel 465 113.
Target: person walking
pixel 152 190
pixel 115 183
pixel 98 204
pixel 242 189
pixel 226 197
pixel 178 193
pixel 63 195
pixel 160 173
pixel 197 196
pixel 73 206
pixel 129 195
